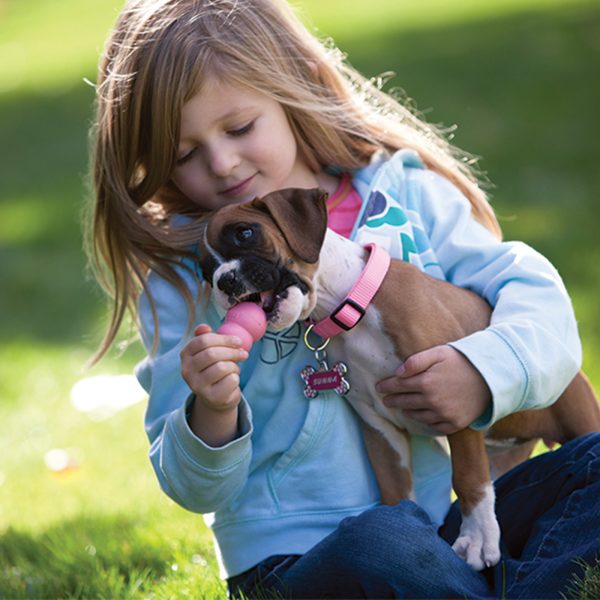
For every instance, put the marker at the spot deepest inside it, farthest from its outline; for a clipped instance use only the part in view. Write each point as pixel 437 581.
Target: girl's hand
pixel 438 387
pixel 209 366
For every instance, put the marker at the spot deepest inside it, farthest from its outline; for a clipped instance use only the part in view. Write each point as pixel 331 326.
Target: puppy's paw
pixel 477 552
pixel 478 542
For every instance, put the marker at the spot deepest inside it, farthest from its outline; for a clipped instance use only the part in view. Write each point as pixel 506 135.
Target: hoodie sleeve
pixel 531 350
pixel 196 476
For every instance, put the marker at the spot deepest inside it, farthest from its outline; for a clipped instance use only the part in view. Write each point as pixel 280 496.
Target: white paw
pixel 478 552
pixel 478 542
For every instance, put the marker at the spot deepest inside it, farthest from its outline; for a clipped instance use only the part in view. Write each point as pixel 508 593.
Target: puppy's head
pixel 267 251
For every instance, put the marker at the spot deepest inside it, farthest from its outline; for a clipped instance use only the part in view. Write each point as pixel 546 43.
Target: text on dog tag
pixel 325 379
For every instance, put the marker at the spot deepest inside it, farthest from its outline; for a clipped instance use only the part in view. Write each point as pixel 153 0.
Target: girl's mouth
pixel 238 188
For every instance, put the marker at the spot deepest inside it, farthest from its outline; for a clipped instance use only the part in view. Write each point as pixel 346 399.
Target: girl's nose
pixel 222 159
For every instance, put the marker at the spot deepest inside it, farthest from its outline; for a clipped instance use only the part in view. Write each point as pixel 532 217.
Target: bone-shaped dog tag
pixel 325 378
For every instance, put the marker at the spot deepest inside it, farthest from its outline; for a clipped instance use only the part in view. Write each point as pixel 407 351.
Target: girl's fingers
pixel 219 371
pixel 420 362
pixel 411 376
pixel 210 340
pixel 209 366
pixel 215 354
pixel 203 381
pixel 223 394
pixel 396 385
pixel 405 401
pixel 227 386
pixel 198 355
pixel 202 328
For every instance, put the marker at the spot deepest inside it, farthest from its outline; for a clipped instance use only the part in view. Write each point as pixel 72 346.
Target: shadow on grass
pixel 100 557
pixel 42 168
pixel 80 558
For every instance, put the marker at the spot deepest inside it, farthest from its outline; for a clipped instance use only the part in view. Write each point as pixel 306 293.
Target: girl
pixel 202 103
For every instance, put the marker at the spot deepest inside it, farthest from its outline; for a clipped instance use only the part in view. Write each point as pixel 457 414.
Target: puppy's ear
pixel 301 215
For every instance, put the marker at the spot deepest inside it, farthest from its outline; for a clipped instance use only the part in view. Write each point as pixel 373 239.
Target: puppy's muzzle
pixel 230 284
pixel 252 275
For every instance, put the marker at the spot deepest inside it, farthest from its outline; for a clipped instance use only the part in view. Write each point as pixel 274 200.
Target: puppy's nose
pixel 230 284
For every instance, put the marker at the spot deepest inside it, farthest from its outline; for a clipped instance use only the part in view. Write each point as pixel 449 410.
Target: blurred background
pixel 80 510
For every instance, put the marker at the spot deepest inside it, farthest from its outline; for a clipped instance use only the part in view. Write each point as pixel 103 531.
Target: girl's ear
pixel 301 215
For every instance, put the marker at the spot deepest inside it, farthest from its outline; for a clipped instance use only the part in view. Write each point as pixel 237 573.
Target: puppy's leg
pixel 391 464
pixel 511 440
pixel 577 409
pixel 504 456
pixel 479 539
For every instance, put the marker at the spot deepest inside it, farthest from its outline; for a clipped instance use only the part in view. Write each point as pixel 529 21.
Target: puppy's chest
pixel 368 349
pixel 370 356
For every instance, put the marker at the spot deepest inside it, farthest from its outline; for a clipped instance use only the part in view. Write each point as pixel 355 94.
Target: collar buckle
pixel 353 320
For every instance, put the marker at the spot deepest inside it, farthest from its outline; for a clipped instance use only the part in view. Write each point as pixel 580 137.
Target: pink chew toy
pixel 247 321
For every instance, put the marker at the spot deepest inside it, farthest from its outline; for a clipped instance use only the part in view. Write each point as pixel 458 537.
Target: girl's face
pixel 236 144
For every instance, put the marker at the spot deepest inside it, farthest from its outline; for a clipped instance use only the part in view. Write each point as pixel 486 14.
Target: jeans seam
pixel 590 453
pixel 522 567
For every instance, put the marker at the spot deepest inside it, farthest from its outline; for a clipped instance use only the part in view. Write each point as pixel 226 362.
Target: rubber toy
pixel 247 321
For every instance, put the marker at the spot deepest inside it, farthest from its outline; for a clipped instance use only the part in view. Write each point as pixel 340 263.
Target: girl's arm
pixel 200 445
pixel 531 350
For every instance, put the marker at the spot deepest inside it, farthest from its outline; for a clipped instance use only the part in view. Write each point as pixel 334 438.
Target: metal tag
pixel 324 378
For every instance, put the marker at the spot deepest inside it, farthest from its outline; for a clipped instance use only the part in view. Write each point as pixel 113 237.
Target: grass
pixel 587 585
pixel 518 76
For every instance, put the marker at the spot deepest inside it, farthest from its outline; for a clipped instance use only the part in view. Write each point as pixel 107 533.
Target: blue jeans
pixel 549 514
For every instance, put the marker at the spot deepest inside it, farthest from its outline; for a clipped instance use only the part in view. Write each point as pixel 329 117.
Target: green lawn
pixel 519 77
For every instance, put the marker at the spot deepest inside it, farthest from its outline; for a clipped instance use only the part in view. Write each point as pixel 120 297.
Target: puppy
pixel 278 252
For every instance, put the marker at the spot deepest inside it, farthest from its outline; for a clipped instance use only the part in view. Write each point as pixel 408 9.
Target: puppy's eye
pixel 243 236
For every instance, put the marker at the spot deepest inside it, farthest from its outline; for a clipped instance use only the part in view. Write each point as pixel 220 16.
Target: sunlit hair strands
pixel 157 57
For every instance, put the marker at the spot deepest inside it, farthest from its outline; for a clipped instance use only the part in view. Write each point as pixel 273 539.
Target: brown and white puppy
pixel 277 251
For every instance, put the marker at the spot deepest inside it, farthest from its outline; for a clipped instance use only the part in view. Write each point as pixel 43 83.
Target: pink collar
pixel 353 308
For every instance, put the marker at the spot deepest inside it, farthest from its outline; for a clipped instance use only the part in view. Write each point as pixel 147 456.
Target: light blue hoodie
pixel 299 466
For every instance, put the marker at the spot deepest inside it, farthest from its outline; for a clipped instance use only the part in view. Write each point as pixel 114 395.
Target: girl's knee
pixel 385 552
pixel 388 548
pixel 390 531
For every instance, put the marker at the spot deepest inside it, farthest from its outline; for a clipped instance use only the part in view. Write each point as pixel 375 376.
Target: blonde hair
pixel 159 53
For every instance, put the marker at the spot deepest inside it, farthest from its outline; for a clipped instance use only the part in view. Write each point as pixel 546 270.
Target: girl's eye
pixel 242 130
pixel 185 158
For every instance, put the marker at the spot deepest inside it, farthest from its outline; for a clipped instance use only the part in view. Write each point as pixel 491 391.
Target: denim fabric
pixel 549 513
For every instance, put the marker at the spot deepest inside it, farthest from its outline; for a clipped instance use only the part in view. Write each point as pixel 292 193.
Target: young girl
pixel 202 103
